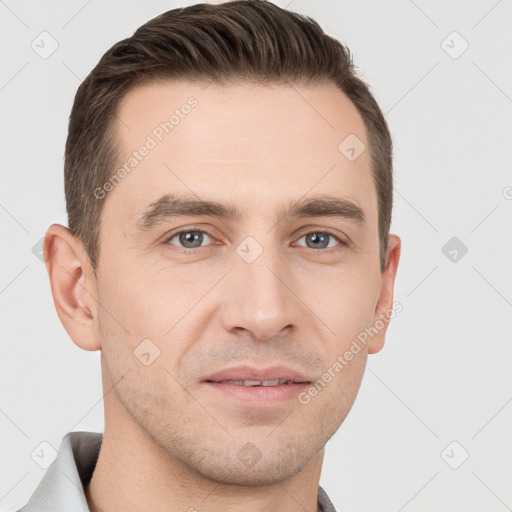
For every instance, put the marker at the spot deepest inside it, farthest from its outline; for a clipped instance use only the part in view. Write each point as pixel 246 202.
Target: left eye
pixel 320 240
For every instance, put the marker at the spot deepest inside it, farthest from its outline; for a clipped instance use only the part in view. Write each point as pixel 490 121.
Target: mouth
pixel 252 387
pixel 252 383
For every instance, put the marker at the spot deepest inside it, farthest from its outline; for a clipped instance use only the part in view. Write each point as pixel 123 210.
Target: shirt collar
pixel 62 487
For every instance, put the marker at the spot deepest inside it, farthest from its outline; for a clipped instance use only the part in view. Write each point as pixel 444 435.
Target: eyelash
pixel 185 250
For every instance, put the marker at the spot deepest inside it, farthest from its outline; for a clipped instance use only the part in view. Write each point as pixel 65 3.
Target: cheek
pixel 148 302
pixel 149 312
pixel 135 355
pixel 348 308
pixel 332 395
pixel 345 302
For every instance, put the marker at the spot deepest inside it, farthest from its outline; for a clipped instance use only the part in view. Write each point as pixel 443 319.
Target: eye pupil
pixel 190 237
pixel 318 239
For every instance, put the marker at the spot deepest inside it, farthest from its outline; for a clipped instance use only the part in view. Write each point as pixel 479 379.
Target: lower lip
pixel 259 395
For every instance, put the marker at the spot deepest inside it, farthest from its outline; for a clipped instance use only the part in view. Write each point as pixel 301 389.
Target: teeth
pixel 275 382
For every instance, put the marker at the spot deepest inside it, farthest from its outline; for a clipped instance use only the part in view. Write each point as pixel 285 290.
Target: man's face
pixel 261 289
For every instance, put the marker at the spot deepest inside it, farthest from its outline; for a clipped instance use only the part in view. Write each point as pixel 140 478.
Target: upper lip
pixel 258 374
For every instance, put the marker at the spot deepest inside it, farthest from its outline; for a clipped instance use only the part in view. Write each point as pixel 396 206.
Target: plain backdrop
pixel 431 427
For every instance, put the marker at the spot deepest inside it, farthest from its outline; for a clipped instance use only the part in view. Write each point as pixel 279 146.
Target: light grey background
pixel 444 374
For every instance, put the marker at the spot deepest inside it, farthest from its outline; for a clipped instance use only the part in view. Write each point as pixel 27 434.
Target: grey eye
pixel 190 239
pixel 319 240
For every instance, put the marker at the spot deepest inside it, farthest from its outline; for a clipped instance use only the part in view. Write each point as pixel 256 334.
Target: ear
pixel 384 308
pixel 73 285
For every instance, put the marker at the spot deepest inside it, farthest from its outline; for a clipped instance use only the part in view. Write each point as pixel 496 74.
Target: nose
pixel 260 297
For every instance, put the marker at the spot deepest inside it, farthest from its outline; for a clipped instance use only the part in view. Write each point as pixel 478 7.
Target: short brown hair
pixel 252 40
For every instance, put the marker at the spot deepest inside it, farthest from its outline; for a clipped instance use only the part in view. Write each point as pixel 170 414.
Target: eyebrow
pixel 173 205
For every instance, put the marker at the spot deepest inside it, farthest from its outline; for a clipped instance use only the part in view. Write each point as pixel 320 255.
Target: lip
pixel 257 396
pixel 251 373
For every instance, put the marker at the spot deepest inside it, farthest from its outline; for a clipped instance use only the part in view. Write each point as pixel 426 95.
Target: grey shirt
pixel 62 487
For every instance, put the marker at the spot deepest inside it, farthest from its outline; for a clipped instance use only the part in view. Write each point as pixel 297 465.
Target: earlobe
pixel 384 308
pixel 73 286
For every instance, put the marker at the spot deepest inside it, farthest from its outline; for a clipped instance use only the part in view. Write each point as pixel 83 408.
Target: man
pixel 228 183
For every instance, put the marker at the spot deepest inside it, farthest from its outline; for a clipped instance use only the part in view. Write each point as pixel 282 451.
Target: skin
pixel 170 443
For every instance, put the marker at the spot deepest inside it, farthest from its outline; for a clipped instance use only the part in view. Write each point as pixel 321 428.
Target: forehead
pixel 256 144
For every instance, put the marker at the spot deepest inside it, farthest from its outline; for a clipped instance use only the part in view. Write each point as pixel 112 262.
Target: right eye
pixel 189 239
